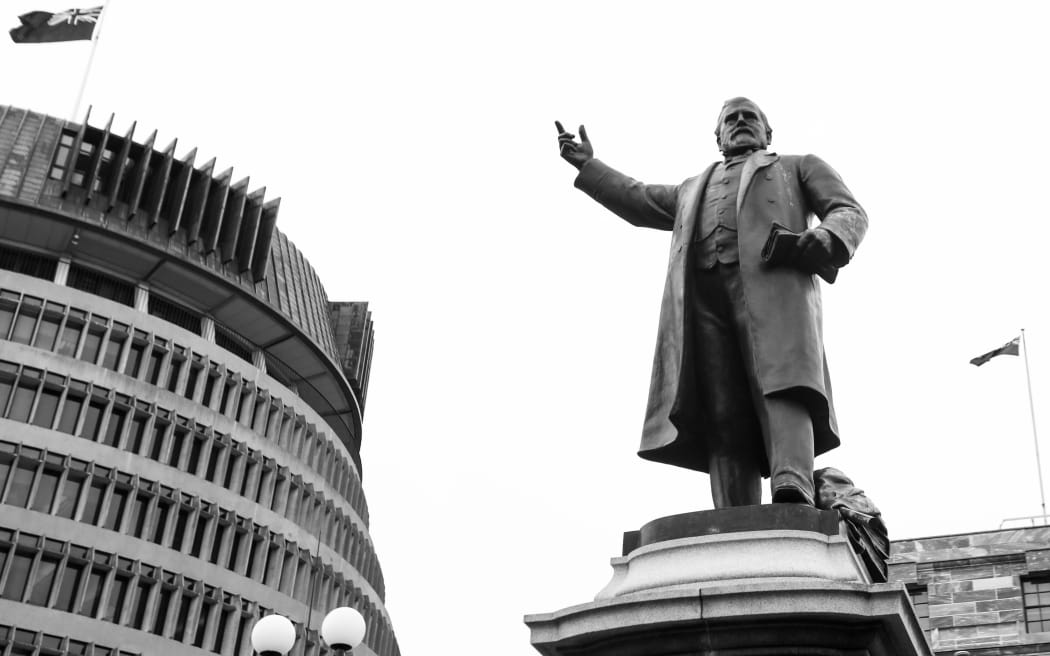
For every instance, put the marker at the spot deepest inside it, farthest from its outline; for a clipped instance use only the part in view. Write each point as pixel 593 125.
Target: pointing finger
pixel 583 134
pixel 557 124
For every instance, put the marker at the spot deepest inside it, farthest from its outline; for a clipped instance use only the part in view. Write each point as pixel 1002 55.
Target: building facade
pixel 180 408
pixel 981 594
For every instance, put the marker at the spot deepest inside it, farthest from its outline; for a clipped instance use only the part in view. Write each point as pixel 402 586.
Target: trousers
pixel 748 429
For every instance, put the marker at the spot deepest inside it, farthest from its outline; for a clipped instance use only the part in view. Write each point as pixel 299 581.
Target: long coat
pixel 783 304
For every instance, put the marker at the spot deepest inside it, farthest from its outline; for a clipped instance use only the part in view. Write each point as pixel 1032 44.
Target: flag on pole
pixel 47 27
pixel 1013 347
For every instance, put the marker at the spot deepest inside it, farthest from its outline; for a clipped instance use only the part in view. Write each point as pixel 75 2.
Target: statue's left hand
pixel 815 249
pixel 573 152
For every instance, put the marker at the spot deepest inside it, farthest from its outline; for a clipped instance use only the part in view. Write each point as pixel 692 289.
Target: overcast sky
pixel 414 148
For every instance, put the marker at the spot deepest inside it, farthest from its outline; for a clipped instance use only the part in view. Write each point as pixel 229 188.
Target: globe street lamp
pixel 342 630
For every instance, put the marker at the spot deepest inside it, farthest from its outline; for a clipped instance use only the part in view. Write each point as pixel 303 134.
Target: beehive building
pixel 180 408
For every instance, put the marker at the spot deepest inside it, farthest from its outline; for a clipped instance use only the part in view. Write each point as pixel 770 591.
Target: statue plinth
pixel 749 581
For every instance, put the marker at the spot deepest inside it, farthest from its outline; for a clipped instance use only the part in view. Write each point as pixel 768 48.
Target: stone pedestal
pixel 779 580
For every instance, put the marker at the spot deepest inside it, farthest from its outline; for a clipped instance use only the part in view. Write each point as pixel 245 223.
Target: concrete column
pixel 62 271
pixel 208 329
pixel 259 360
pixel 142 298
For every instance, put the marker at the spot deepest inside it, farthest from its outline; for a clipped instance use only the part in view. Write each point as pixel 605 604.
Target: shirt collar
pixel 736 159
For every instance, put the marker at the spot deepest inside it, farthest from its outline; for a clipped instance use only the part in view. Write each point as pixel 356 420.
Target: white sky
pixel 414 148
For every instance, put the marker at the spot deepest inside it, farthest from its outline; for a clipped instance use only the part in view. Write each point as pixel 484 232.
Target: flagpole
pixel 91 57
pixel 1035 435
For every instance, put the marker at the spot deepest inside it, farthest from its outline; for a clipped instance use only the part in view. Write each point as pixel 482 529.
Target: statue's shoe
pixel 789 493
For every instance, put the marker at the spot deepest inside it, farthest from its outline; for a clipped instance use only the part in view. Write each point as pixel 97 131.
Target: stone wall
pixel 973 588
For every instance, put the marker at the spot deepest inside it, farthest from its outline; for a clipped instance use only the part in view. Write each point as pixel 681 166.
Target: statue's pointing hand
pixel 573 152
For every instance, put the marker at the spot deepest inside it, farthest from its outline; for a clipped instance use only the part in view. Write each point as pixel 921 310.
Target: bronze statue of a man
pixel 740 385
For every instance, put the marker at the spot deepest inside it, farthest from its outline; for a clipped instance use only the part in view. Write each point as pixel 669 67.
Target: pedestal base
pixel 715 584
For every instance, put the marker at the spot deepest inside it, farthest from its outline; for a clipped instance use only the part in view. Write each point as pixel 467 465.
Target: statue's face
pixel 741 128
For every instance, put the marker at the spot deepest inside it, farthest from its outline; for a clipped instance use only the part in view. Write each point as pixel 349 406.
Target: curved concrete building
pixel 180 408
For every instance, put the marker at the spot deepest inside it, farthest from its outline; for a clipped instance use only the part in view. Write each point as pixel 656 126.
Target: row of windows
pixel 152 359
pixel 120 291
pixel 51 483
pixel 1036 604
pixel 71 578
pixel 32 643
pixel 26 263
pixel 98 414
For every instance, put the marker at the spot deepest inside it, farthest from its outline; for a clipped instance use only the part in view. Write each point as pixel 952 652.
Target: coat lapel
pixel 758 160
pixel 692 190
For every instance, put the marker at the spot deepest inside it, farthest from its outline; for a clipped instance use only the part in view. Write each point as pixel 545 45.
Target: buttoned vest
pixel 716 229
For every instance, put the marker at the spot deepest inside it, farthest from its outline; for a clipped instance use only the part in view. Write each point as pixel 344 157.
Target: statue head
pixel 742 127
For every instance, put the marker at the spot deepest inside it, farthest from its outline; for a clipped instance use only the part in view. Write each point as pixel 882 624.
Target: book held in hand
pixel 780 251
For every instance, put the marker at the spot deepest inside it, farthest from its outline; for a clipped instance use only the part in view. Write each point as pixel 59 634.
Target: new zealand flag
pixel 47 27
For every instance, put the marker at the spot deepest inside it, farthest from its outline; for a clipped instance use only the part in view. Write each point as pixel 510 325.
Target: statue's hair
pixel 742 99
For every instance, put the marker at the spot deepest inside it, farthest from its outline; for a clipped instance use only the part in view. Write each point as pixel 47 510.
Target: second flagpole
pixel 1035 434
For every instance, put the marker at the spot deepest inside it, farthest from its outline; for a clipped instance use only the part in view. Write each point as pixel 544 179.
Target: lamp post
pixel 342 630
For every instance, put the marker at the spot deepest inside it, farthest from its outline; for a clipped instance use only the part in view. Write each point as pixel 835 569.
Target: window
pixel 139 507
pixel 191 379
pixel 174 313
pixel 156 449
pixel 93 340
pixel 22 401
pixel 138 604
pixel 61 163
pixel 1036 604
pixel 178 359
pixel 21 482
pixel 207 606
pixel 182 518
pixel 178 441
pixel 135 353
pixel 163 601
pixel 27 263
pixel 117 502
pixel 45 490
pixel 47 407
pixel 93 505
pixel 199 533
pixel 183 614
pixel 100 284
pixel 93 592
pixel 93 418
pixel 43 577
pixel 47 331
pixel 70 335
pixel 153 366
pixel 70 412
pixel 161 520
pixel 67 588
pixel 233 343
pixel 209 384
pixel 115 426
pixel 67 502
pixel 136 433
pixel 18 576
pixel 117 592
pixel 26 320
pixel 114 347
